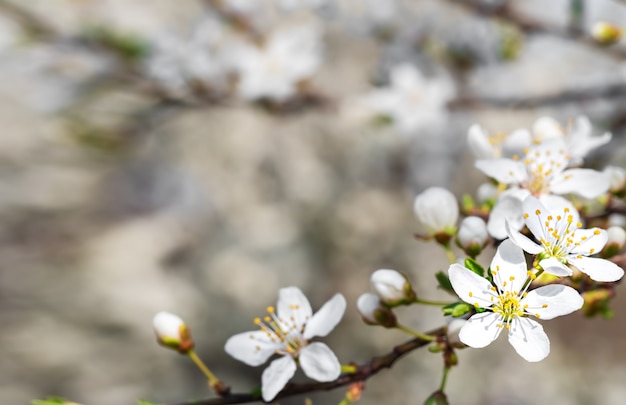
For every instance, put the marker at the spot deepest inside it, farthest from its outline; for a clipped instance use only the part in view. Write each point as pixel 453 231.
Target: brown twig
pixel 363 372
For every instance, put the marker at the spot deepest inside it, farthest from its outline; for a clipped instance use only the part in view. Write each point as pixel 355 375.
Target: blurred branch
pixel 505 12
pixel 363 372
pixel 30 21
pixel 610 90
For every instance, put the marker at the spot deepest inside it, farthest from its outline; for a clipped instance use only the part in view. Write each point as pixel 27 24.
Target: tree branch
pixel 528 25
pixel 362 373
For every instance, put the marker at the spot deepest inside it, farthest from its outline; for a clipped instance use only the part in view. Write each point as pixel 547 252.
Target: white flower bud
pixel 373 312
pixel 617 220
pixel 616 236
pixel 454 327
pixel 617 178
pixel 437 211
pixel 605 33
pixel 486 191
pixel 172 332
pixel 392 287
pixel 473 235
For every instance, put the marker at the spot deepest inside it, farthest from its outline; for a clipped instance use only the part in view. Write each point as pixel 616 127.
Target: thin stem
pixel 418 335
pixel 198 362
pixel 444 378
pixel 449 253
pixel 433 303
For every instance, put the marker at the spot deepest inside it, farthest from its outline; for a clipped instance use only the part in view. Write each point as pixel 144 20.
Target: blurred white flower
pixel 617 178
pixel 437 211
pixel 290 55
pixel 413 102
pixel 286 331
pixel 393 287
pixel 563 243
pixel 577 137
pixel 541 173
pixel 616 235
pixel 508 304
pixel 178 63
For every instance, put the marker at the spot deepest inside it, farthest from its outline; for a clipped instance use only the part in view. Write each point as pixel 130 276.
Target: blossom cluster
pixel 544 266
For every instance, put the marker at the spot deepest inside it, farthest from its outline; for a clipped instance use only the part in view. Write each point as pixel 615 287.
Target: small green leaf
pixel 474 266
pixel 457 309
pixel 50 401
pixel 444 282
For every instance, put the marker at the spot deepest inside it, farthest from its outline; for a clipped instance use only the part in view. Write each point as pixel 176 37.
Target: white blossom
pixel 412 101
pixel 172 332
pixel 392 286
pixel 508 305
pixel 373 311
pixel 616 235
pixel 287 330
pixel 437 211
pixel 541 173
pixel 617 178
pixel 472 233
pixel 290 55
pixel 563 243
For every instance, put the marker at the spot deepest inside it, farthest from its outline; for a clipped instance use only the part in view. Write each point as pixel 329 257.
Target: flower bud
pixel 392 287
pixel 437 211
pixel 172 332
pixel 605 33
pixel 486 192
pixel 616 241
pixel 472 236
pixel 617 178
pixel 454 327
pixel 373 312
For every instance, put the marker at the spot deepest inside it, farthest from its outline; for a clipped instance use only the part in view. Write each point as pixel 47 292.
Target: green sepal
pixel 457 309
pixel 474 266
pixel 444 282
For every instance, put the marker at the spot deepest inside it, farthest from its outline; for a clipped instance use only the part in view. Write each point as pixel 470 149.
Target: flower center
pixel 283 331
pixel 541 167
pixel 508 307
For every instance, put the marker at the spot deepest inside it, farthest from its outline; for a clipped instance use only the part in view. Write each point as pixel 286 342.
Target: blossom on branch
pixel 508 305
pixel 437 211
pixel 542 173
pixel 172 332
pixel 563 243
pixel 286 330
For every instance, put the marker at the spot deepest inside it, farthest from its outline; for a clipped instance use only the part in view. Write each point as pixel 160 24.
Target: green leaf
pixel 444 282
pixel 50 401
pixel 457 309
pixel 474 266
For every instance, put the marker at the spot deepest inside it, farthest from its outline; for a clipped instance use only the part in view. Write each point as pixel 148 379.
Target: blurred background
pixel 196 156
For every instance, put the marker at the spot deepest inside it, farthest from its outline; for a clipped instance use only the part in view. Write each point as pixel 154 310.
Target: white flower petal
pixel 293 303
pixel 470 287
pixel 436 209
pixel 167 325
pixel 326 318
pixel 516 142
pixel 481 329
pixel 478 142
pixel 522 241
pixel 509 265
pixel 584 182
pixel 252 348
pixel 558 205
pixel 276 376
pixel 593 242
pixel 554 266
pixel 535 216
pixel 553 300
pixel 529 339
pixel 506 171
pixel 319 362
pixel 508 208
pixel 598 269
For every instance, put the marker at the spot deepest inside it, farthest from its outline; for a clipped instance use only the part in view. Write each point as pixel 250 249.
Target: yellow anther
pixel 512 278
pixel 579 224
pixel 470 294
pixel 549 217
pixel 537 212
pixel 537 316
pixel 525 215
pixel 257 321
pixel 270 310
pixel 596 232
pixel 544 306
